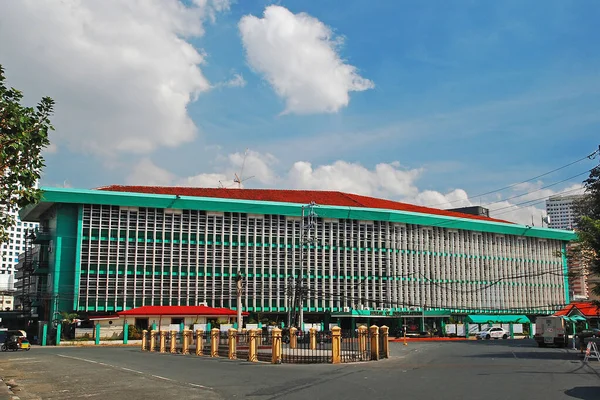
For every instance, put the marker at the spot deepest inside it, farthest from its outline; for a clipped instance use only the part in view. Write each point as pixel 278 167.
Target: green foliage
pixel 587 247
pixel 23 136
pixel 68 317
pixel 134 333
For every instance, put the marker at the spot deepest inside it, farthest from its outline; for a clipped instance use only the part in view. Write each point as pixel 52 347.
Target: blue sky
pixel 447 99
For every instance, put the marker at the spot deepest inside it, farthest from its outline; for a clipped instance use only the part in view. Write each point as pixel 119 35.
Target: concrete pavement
pixel 502 369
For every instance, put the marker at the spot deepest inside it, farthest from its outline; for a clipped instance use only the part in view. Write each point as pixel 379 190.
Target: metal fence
pixel 355 346
pixel 319 351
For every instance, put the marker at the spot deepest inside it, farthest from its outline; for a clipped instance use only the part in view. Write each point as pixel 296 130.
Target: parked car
pixel 493 333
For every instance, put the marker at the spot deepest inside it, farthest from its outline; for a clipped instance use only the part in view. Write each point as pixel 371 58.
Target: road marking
pixel 514 355
pixel 132 370
pixel 19 359
pixel 162 377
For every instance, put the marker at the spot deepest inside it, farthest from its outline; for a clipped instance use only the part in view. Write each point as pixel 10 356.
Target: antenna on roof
pixel 238 179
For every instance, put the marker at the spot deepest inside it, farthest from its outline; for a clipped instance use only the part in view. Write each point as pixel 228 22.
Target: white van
pixel 551 330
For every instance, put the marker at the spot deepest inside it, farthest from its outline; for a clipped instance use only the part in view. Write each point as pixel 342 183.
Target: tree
pixel 587 246
pixel 23 136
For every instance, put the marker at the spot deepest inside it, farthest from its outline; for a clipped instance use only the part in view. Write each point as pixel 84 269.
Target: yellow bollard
pixel 313 338
pixel 276 349
pixel 199 342
pixel 144 338
pixel 336 345
pixel 293 338
pixel 152 340
pixel 214 342
pixel 406 344
pixel 185 347
pixel 173 342
pixel 163 338
pixel 252 347
pixel 374 343
pixel 232 343
pixel 385 332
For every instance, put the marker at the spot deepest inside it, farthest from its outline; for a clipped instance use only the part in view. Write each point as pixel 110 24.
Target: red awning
pixel 180 311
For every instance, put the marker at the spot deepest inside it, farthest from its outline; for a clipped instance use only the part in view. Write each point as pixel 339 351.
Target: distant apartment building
pixel 560 211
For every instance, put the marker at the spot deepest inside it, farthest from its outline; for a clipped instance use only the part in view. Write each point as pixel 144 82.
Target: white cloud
pixel 298 55
pixel 237 81
pixel 146 173
pixel 121 72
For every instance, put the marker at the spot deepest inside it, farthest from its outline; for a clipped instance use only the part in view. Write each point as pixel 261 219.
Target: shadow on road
pixel 531 355
pixel 584 392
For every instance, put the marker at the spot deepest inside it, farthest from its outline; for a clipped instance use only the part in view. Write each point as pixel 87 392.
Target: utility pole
pixel 239 281
pixel 307 225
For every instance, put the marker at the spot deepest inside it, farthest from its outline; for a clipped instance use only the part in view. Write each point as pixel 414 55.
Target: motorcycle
pixel 10 345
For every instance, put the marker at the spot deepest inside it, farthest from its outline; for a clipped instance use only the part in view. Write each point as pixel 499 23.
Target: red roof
pixel 587 309
pixel 323 197
pixel 180 310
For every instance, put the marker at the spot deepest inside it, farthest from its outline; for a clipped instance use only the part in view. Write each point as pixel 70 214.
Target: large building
pixel 560 211
pixel 122 247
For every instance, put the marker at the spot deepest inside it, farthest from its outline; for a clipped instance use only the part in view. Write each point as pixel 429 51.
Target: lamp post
pixel 239 281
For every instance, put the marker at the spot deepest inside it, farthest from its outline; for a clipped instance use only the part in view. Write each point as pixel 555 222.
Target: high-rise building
pixel 11 249
pixel 560 211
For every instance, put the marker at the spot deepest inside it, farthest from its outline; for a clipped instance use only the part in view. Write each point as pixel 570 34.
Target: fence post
pixel 313 338
pixel 144 337
pixel 173 342
pixel 252 356
pixel 185 347
pixel 336 345
pixel 232 344
pixel 362 338
pixel 152 340
pixel 199 342
pixel 163 338
pixel 374 342
pixel 385 332
pixel 125 333
pixel 214 342
pixel 276 349
pixel 293 338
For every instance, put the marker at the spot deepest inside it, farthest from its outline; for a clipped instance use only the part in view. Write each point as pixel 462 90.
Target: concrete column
pixel 531 334
pixel 385 332
pixel 199 342
pixel 44 334
pixel 467 330
pixel 144 338
pixel 252 346
pixel 185 349
pixel 362 338
pixel 125 333
pixel 336 345
pixel 232 343
pixel 163 338
pixel 152 340
pixel 512 331
pixel 97 336
pixel 214 342
pixel 58 329
pixel 173 342
pixel 374 342
pixel 293 338
pixel 276 350
pixel 313 338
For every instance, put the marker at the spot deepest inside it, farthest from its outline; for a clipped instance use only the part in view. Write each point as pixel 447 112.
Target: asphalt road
pixel 500 369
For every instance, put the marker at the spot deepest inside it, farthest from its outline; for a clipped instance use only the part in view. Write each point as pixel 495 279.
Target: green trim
pixel 565 272
pixel 78 257
pixel 84 196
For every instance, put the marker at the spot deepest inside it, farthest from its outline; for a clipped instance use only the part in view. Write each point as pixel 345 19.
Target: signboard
pixel 174 327
pixel 591 351
pixel 225 327
pixel 201 327
pixel 251 326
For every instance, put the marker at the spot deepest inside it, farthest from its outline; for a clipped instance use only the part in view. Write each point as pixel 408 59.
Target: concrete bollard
pixel 185 346
pixel 214 342
pixel 232 343
pixel 362 338
pixel 276 349
pixel 336 345
pixel 293 338
pixel 152 340
pixel 385 333
pixel 374 342
pixel 173 342
pixel 125 333
pixel 253 346
pixel 163 340
pixel 144 338
pixel 199 342
pixel 313 338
